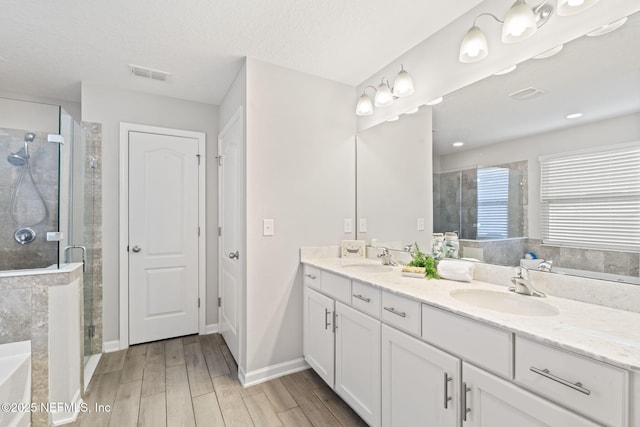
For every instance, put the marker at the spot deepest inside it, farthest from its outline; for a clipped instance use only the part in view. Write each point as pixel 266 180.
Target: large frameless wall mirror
pixel 489 189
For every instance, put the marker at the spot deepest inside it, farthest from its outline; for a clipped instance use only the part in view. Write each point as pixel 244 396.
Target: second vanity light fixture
pixel 520 23
pixel 384 93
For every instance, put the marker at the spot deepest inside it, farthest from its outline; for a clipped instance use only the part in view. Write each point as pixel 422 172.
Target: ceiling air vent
pixel 149 73
pixel 527 93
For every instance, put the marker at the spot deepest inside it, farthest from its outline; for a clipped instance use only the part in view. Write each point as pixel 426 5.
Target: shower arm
pixel 84 255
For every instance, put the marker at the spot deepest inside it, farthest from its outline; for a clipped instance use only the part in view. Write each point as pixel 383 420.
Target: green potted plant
pixel 422 263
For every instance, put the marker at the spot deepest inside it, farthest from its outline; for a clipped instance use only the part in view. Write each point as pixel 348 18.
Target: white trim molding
pixel 125 128
pixel 270 372
pixel 212 328
pixel 111 346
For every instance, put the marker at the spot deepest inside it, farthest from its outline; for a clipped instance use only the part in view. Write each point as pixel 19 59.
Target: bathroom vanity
pixel 410 351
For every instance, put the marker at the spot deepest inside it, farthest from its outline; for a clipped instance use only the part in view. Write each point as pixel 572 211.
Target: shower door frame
pixel 125 128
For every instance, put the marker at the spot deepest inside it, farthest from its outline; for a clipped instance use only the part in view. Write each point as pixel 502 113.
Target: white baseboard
pixel 60 418
pixel 211 329
pixel 111 346
pixel 270 372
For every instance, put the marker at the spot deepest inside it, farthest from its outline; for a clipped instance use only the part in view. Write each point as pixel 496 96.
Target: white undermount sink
pixel 504 302
pixel 368 268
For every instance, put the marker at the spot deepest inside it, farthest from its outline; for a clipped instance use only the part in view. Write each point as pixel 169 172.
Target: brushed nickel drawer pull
pixel 547 374
pixel 396 312
pixel 465 389
pixel 311 276
pixel 447 398
pixel 326 322
pixel 360 297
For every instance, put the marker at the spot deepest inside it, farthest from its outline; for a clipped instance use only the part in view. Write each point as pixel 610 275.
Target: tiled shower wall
pixel 44 168
pixel 92 133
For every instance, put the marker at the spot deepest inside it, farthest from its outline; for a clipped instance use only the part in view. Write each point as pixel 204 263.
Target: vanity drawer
pixel 366 298
pixel 481 344
pixel 311 277
pixel 593 388
pixel 336 286
pixel 401 312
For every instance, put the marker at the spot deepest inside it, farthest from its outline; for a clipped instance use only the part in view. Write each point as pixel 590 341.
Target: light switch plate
pixel 348 226
pixel 267 227
pixel 420 224
pixel 363 225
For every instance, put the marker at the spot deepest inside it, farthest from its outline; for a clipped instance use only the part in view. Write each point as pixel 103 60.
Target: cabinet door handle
pixel 396 312
pixel 310 276
pixel 465 410
pixel 447 398
pixel 326 322
pixel 545 373
pixel 360 297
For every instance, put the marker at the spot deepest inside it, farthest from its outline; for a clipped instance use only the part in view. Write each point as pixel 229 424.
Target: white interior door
pixel 163 236
pixel 231 217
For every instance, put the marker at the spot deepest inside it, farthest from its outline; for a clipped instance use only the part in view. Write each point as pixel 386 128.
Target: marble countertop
pixel 599 332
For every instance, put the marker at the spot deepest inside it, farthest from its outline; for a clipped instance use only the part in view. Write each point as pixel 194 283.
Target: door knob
pixel 235 255
pixel 136 248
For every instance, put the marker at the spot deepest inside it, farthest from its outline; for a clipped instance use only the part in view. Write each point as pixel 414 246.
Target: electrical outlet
pixel 363 225
pixel 348 226
pixel 420 224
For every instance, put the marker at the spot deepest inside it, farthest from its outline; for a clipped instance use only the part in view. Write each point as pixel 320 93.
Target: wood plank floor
pixel 192 381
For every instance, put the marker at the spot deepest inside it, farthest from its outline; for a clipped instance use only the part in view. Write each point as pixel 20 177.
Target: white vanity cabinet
pixel 420 384
pixel 343 345
pixel 489 401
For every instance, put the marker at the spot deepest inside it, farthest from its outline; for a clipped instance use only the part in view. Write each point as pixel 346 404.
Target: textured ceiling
pixel 49 47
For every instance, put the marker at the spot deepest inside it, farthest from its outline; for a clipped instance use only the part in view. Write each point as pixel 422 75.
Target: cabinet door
pixel 358 362
pixel 318 334
pixel 420 384
pixel 493 402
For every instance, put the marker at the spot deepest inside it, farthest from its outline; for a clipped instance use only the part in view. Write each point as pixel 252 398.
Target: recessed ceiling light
pixel 506 70
pixel 393 119
pixel 413 111
pixel 573 115
pixel 605 29
pixel 458 144
pixel 549 53
pixel 435 101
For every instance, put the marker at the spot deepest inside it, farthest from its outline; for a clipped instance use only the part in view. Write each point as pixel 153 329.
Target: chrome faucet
pixel 545 265
pixel 386 257
pixel 523 285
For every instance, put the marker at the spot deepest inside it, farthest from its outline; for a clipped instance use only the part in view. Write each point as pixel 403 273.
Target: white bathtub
pixel 15 383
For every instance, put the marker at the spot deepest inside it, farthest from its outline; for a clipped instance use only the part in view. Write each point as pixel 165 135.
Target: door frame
pixel 123 240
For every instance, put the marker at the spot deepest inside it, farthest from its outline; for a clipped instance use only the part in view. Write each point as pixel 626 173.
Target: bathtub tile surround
pixel 44 168
pixel 32 322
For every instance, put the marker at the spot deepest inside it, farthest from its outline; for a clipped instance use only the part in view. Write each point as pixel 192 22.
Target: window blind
pixel 493 203
pixel 592 199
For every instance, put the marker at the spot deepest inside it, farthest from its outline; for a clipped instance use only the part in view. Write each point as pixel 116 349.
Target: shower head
pixel 19 158
pixel 29 137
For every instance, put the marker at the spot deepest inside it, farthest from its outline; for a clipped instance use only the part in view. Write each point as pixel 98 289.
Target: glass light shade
pixel 364 107
pixel 384 97
pixel 519 24
pixel 474 46
pixel 571 7
pixel 403 84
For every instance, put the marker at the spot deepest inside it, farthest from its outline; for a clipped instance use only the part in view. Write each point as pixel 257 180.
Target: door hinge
pixel 219 160
pixel 198 156
pixel 198 231
pixel 219 302
pixel 219 231
pixel 127 248
pixel 198 302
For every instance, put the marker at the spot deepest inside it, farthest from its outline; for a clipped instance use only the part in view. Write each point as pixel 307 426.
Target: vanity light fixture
pixel 573 116
pixel 458 144
pixel 385 94
pixel 520 23
pixel 435 101
pixel 506 70
pixel 571 7
pixel 606 29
